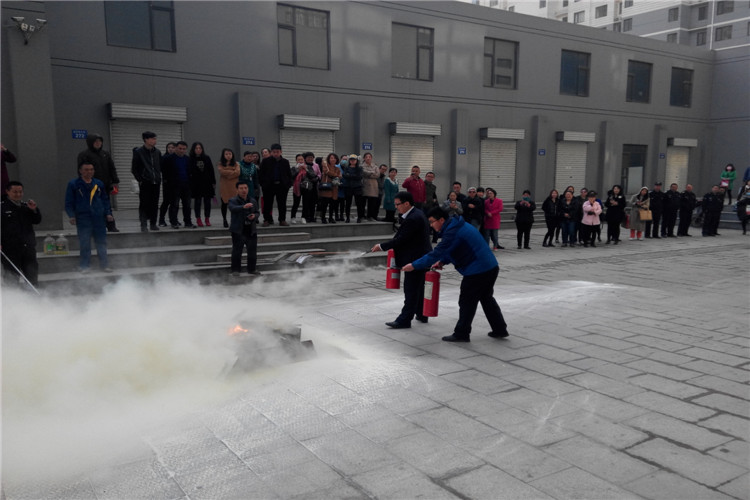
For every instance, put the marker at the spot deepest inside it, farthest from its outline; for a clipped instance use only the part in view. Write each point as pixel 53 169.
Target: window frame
pixel 283 26
pixel 686 92
pixel 633 84
pixel 516 49
pixel 418 48
pixel 671 38
pixel 701 38
pixel 579 17
pixel 580 90
pixel 598 13
pixel 722 33
pixel 673 14
pixel 151 6
pixel 627 25
pixel 724 7
pixel 703 12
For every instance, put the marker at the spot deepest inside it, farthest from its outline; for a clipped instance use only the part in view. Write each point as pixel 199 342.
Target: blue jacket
pixel 462 246
pixel 87 200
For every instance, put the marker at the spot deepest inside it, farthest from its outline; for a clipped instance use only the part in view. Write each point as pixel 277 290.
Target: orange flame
pixel 236 330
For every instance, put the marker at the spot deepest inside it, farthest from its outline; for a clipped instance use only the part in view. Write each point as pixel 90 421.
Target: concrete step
pixel 268 237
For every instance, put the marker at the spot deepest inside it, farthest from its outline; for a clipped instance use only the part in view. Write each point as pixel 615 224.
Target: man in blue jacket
pixel 463 246
pixel 87 206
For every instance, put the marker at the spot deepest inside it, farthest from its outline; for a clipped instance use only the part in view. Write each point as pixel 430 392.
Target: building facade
pixel 478 95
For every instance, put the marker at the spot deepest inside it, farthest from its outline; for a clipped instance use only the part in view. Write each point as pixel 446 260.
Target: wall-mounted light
pixel 28 29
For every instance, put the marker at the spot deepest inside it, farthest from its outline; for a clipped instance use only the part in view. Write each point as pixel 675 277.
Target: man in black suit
pixel 275 178
pixel 411 242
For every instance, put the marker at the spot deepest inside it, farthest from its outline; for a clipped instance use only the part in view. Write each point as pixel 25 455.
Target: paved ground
pixel 627 375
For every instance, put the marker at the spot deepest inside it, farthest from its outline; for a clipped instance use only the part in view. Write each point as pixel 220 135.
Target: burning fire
pixel 236 330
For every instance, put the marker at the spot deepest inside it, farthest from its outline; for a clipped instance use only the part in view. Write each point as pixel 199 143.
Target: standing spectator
pixel 370 175
pixel 492 208
pixel 569 222
pixel 18 238
pixel 688 203
pixel 390 190
pixel 416 187
pixel 104 167
pixel 329 197
pixel 580 200
pixel 166 192
pixel 524 219
pixel 275 179
pixel 712 205
pixel 298 174
pixel 727 180
pixel 353 181
pixel 383 168
pixel 310 196
pixel 87 206
pixel 552 213
pixel 672 200
pixel 656 202
pixel 244 229
pixel 457 189
pixel 146 168
pixel 430 192
pixel 229 174
pixel 462 246
pixel 340 204
pixel 615 213
pixel 591 211
pixel 249 172
pixel 743 211
pixel 473 207
pixel 202 182
pixel 176 171
pixel 5 157
pixel 410 242
pixel 452 206
pixel 639 202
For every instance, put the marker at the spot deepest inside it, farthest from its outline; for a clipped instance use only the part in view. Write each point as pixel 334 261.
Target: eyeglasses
pixel 397 204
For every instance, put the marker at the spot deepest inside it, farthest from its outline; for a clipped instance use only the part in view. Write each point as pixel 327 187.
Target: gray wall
pixel 226 48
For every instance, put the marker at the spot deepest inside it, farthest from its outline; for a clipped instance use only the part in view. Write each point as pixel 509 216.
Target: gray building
pixel 475 94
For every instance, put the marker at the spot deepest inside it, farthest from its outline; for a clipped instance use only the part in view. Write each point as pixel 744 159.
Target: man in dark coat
pixel 687 205
pixel 712 205
pixel 656 205
pixel 18 238
pixel 275 178
pixel 176 173
pixel 146 168
pixel 672 201
pixel 104 168
pixel 474 209
pixel 411 242
pixel 244 229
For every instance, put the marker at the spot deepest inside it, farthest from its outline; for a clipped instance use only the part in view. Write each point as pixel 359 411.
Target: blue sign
pixel 662 156
pixel 366 146
pixel 79 133
pixel 542 152
pixel 248 141
pixel 462 151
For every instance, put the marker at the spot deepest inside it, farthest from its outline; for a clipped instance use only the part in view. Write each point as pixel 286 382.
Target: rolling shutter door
pixel 126 135
pixel 677 166
pixel 570 165
pixel 410 150
pixel 497 167
pixel 296 141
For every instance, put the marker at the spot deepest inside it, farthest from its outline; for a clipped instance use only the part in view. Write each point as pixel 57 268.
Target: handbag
pixel 335 182
pixel 305 185
pixel 625 223
pixel 325 186
pixel 646 215
pixel 724 183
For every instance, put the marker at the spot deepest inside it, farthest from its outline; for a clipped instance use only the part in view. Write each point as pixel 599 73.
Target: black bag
pixel 325 186
pixel 305 185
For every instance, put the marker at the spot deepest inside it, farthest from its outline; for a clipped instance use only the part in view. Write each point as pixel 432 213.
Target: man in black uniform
pixel 410 243
pixel 104 168
pixel 18 238
pixel 671 207
pixel 712 204
pixel 687 205
pixel 244 229
pixel 146 168
pixel 275 178
pixel 656 205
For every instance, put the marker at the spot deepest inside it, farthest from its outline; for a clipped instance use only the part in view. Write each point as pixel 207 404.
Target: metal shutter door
pixel 497 167
pixel 126 135
pixel 570 163
pixel 677 166
pixel 410 150
pixel 296 141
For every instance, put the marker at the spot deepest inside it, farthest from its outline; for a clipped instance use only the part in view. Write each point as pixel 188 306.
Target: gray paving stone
pixel 664 485
pixel 478 381
pixel 736 451
pixel 670 406
pixel 547 367
pixel 728 424
pixel 600 429
pixel 667 386
pixel 701 468
pixel 668 371
pixel 716 357
pixel 723 385
pixel 550 352
pixel 477 405
pixel 677 430
pixel 451 425
pixel 728 404
pixel 604 406
pixel 576 484
pixel 606 354
pixel 535 431
pixel 723 371
pixel 608 342
pixel 349 452
pixel 738 488
pixel 604 385
pixel 646 340
pixel 487 482
pixel 538 405
pixel 615 371
pixel 550 386
pixel 141 479
pixel 432 455
pixel 400 481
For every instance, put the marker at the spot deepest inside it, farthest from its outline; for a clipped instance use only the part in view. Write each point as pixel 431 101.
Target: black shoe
pixel 115 230
pixel 332 220
pixel 396 325
pixel 519 247
pixel 175 226
pixel 144 229
pixel 527 247
pixel 617 242
pixel 423 319
pixel 656 237
pixel 226 224
pixel 255 273
pixel 163 223
pixel 544 245
pixel 359 220
pixel 688 235
pixel 324 221
pixel 154 227
pixel 550 244
pixel 453 338
pixel 347 219
pixel 500 335
pixel 593 245
pixel 608 242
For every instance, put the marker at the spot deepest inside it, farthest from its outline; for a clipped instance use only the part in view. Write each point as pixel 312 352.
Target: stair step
pixel 277 237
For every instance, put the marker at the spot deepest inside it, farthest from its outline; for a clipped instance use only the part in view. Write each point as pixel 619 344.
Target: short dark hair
pixel 437 213
pixel 480 189
pixel 526 191
pixel 148 135
pixel 405 197
pixel 392 169
pixel 181 143
pixel 13 183
pixel 239 183
pixel 275 146
pixel 456 182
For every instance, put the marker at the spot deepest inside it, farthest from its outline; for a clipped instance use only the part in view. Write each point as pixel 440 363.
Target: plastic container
pixel 49 245
pixel 61 245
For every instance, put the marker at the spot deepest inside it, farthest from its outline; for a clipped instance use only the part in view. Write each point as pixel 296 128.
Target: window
pixel 411 52
pixel 579 17
pixel 542 4
pixel 673 14
pixel 628 3
pixel 494 3
pixel 601 11
pixel 574 73
pixel 140 25
pixel 724 7
pixel 681 88
pixel 500 63
pixel 672 38
pixel 565 3
pixel 748 28
pixel 565 19
pixel 639 81
pixel 723 33
pixel 702 12
pixel 700 38
pixel 617 27
pixel 303 37
pixel 512 8
pixel 627 24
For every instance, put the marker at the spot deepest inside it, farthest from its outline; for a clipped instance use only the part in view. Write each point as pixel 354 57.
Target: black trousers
pixel 670 218
pixel 524 232
pixel 166 201
pixel 685 219
pixel 206 206
pixel 275 192
pixel 359 201
pixel 24 258
pixel 373 206
pixel 239 242
pixel 711 222
pixel 588 233
pixel 478 289
pixel 613 230
pixel 413 296
pixel 309 199
pixel 181 194
pixel 652 226
pixel 148 207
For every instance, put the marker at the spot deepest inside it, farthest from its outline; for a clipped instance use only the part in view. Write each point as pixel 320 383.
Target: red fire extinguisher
pixel 393 273
pixel 431 293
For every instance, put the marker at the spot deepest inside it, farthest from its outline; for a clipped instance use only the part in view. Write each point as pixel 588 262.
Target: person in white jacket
pixel 591 211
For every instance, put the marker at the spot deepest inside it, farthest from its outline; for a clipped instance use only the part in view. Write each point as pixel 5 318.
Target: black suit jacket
pixel 412 240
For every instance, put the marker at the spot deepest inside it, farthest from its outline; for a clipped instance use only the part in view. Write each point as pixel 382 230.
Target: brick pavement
pixel 626 375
